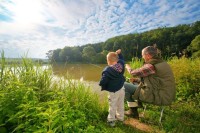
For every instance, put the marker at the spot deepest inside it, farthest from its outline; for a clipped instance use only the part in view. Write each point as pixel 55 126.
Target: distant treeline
pixel 21 60
pixel 182 40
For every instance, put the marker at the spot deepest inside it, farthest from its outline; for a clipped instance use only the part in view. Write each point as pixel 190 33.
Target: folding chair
pixel 161 113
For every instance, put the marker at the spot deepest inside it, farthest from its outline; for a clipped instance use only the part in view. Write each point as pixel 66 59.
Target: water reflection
pixel 89 74
pixel 84 72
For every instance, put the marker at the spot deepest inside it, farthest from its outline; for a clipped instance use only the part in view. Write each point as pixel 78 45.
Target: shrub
pixel 31 101
pixel 187 77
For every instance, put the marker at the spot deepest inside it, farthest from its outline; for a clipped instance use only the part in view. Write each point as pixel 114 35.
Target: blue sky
pixel 35 26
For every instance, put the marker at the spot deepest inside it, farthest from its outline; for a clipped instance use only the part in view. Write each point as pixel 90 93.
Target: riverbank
pixel 31 102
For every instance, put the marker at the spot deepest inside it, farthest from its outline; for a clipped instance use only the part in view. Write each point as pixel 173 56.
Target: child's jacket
pixel 113 76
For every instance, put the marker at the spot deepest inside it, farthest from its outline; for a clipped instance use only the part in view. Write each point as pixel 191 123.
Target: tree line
pixel 181 40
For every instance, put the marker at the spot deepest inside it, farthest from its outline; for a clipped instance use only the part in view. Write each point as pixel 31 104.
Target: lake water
pixel 89 74
pixel 85 72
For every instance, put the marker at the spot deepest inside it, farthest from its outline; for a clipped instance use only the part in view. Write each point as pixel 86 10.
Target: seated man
pixel 157 83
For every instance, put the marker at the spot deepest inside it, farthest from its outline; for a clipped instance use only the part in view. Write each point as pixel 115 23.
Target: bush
pixel 31 101
pixel 187 77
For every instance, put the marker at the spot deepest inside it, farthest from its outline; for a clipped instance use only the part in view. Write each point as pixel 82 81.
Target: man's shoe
pixel 132 112
pixel 135 113
pixel 128 112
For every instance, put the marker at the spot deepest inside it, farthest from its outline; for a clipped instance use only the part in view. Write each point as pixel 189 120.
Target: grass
pixel 31 100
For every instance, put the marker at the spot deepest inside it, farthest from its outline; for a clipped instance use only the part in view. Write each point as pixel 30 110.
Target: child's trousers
pixel 116 105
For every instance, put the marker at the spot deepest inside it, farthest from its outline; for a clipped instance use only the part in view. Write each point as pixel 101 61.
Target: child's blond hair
pixel 112 56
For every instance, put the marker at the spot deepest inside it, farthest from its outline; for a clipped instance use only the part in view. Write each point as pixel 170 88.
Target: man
pixel 156 84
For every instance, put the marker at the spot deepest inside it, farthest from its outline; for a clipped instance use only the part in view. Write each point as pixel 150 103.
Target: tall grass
pixel 31 100
pixel 135 63
pixel 187 76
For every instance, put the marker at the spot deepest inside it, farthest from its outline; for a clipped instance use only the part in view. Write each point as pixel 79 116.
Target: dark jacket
pixel 112 76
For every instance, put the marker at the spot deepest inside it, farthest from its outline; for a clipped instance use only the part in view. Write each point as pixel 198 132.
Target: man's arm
pixel 144 71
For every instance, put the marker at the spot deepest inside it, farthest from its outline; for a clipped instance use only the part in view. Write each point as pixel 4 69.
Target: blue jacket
pixel 112 78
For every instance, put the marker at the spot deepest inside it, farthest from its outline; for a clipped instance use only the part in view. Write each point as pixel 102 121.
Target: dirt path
pixel 140 126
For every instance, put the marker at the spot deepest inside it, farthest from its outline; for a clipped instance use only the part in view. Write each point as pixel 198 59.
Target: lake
pixel 84 72
pixel 89 74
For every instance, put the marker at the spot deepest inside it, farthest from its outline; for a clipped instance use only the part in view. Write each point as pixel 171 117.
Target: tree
pixel 76 54
pixel 98 47
pixel 194 47
pixel 108 45
pixel 89 53
pixel 49 55
pixel 100 58
pixel 66 54
pixel 168 39
pixel 116 46
pixel 55 55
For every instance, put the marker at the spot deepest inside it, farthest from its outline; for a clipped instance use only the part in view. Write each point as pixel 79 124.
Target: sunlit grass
pixel 187 76
pixel 31 100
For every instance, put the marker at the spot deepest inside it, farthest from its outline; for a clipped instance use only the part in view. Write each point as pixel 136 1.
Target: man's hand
pixel 118 51
pixel 131 80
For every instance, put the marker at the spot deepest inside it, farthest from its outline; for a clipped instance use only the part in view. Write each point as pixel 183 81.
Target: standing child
pixel 112 80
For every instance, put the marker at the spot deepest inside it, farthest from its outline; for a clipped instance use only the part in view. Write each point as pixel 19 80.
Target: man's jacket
pixel 158 88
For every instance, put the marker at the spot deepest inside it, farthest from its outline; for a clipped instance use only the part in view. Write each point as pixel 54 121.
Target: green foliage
pixel 65 54
pixel 135 63
pixel 196 43
pixel 31 100
pixel 180 117
pixel 89 54
pixel 187 76
pixel 169 40
pixel 194 47
pixel 100 58
pixel 55 55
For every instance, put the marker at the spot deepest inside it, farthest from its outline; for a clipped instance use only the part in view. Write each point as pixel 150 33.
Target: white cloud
pixel 41 25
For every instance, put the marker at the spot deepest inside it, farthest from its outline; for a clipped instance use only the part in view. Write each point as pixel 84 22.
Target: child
pixel 112 81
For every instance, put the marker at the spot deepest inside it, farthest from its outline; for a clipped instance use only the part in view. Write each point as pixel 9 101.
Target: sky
pixel 33 27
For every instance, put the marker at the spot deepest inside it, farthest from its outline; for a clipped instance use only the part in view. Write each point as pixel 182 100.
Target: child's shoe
pixel 111 123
